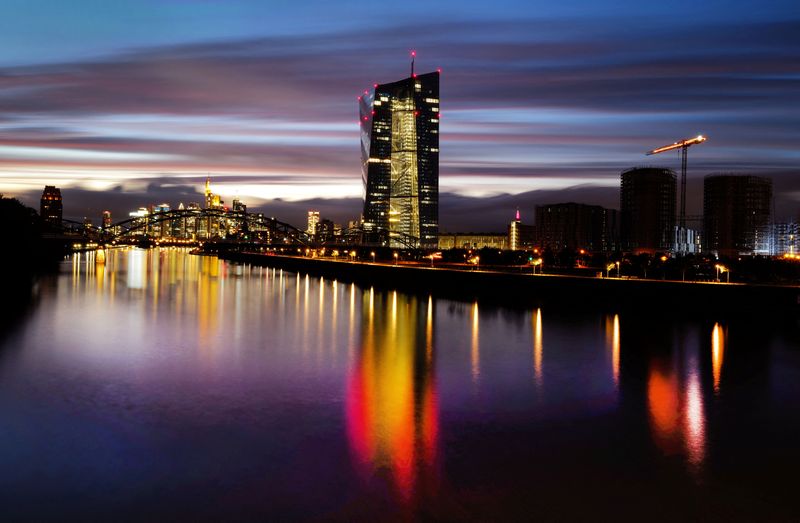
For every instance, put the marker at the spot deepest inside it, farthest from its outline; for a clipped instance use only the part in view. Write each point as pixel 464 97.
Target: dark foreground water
pixel 166 386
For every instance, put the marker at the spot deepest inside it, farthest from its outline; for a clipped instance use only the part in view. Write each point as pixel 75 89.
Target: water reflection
pixel 612 340
pixel 185 370
pixel 475 349
pixel 537 346
pixel 676 401
pixel 717 353
pixel 392 411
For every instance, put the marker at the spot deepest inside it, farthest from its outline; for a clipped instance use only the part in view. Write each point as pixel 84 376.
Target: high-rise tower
pixel 647 209
pixel 737 214
pixel 51 206
pixel 400 161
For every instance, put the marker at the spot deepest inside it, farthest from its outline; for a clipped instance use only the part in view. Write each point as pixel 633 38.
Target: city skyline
pixel 556 98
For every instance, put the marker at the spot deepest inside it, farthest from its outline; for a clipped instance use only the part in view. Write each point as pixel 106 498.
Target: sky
pixel 128 103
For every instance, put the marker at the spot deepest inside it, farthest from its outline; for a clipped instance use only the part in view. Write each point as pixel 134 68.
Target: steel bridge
pixel 219 224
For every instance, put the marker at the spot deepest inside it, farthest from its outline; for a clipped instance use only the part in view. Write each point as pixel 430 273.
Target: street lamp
pixel 721 269
pixel 373 256
pixel 609 267
pixel 617 264
pixel 395 258
pixel 537 263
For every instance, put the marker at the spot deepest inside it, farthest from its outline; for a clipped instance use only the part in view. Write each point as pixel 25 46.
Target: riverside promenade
pixel 526 289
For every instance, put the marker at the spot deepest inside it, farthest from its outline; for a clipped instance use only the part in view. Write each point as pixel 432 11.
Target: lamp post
pixel 723 269
pixel 373 256
pixel 395 258
pixel 617 264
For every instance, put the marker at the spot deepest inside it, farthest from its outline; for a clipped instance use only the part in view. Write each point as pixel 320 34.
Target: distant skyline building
pixel 520 236
pixel 473 240
pixel 238 206
pixel 647 209
pixel 737 211
pixel 51 206
pixel 213 200
pixel 400 161
pixel 106 219
pixel 576 226
pixel 785 238
pixel 313 221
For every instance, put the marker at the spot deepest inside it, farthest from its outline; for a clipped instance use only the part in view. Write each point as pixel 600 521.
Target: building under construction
pixel 647 209
pixel 736 214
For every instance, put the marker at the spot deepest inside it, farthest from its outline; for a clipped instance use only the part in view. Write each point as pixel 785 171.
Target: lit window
pixel 435 109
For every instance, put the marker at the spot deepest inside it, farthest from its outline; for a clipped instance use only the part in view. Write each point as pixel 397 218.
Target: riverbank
pixel 569 292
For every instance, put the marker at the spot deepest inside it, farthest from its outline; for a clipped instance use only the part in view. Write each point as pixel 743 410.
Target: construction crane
pixel 683 145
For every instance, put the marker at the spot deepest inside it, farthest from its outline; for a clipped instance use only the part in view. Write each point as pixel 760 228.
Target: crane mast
pixel 683 145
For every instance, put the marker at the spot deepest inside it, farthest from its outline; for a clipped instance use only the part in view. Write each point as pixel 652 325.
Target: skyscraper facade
pixel 313 221
pixel 647 209
pixel 51 206
pixel 736 214
pixel 400 161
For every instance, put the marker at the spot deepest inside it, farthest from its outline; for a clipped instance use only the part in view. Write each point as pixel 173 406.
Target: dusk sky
pixel 125 104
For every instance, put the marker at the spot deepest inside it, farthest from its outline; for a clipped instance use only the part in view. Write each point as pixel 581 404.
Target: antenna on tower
pixel 413 56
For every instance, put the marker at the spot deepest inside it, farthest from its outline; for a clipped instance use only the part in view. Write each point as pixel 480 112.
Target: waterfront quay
pixel 528 289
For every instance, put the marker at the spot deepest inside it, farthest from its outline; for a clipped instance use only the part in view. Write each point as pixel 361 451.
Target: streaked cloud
pixel 543 100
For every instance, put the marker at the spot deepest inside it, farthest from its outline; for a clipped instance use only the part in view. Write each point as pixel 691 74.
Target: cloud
pixel 528 106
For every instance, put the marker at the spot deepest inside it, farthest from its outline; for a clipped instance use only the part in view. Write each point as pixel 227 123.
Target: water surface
pixel 165 385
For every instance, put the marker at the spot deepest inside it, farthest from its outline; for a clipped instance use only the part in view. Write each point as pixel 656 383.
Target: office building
pixel 576 226
pixel 213 200
pixel 400 161
pixel 647 210
pixel 238 206
pixel 51 206
pixel 313 221
pixel 106 219
pixel 324 230
pixel 736 214
pixel 520 236
pixel 473 240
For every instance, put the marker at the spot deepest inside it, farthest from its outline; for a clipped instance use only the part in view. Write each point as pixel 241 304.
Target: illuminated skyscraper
pixel 400 161
pixel 51 206
pixel 313 221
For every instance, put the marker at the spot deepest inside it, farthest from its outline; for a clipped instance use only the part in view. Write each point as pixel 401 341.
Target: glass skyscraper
pixel 400 162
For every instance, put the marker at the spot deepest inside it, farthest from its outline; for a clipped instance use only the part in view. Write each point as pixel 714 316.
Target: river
pixel 164 385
